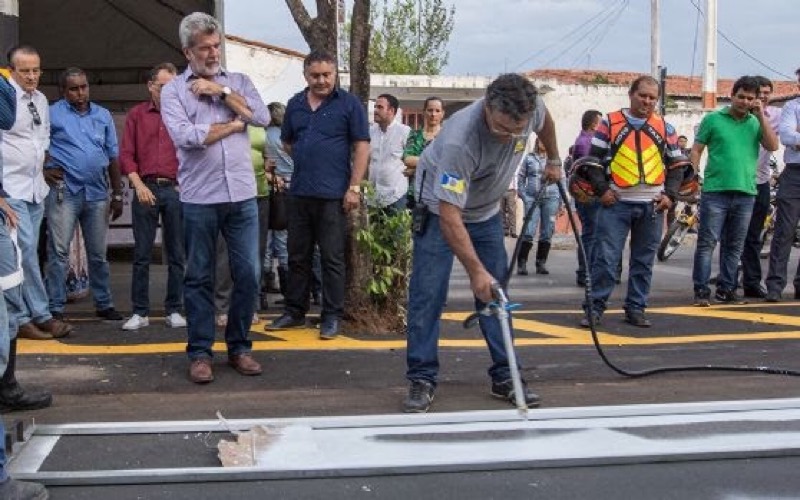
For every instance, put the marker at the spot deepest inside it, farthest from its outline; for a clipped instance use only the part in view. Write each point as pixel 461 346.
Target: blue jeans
pixel 587 213
pixel 613 225
pixel 427 293
pixel 276 248
pixel 8 265
pixel 238 223
pixel 5 342
pixel 34 296
pixel 61 220
pixel 145 222
pixel 543 215
pixel 725 213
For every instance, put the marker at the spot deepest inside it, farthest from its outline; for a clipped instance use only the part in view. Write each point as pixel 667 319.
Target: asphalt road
pixel 104 374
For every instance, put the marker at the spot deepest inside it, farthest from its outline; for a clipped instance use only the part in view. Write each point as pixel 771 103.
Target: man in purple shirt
pixel 587 212
pixel 206 110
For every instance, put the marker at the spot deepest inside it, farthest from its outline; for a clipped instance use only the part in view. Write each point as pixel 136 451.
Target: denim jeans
pixel 5 342
pixel 427 293
pixel 62 216
pixel 276 248
pixel 613 225
pixel 721 213
pixel 202 224
pixel 320 221
pixel 145 222
pixel 543 218
pixel 34 305
pixel 587 213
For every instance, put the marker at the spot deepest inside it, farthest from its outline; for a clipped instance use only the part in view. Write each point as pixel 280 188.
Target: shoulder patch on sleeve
pixel 453 182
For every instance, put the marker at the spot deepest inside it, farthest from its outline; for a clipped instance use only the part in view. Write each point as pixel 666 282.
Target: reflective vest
pixel 637 156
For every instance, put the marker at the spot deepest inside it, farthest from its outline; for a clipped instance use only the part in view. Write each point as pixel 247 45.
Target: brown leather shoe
pixel 56 328
pixel 244 364
pixel 29 331
pixel 200 371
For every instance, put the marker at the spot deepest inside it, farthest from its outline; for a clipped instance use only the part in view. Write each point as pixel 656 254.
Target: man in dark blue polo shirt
pixel 322 125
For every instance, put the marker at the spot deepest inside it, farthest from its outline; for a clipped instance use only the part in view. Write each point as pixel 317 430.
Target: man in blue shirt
pixel 83 158
pixel 321 126
pixel 10 279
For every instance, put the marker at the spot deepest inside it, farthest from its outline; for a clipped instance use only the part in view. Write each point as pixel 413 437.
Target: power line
pixel 694 44
pixel 567 35
pixel 594 42
pixel 740 49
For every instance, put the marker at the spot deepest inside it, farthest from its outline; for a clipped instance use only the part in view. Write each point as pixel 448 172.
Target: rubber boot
pixel 12 396
pixel 522 258
pixel 542 251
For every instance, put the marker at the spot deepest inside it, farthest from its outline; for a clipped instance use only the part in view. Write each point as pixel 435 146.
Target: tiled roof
pixel 677 85
pixel 274 48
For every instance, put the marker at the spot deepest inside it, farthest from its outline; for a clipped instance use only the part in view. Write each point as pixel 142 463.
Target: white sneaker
pixel 175 320
pixel 135 322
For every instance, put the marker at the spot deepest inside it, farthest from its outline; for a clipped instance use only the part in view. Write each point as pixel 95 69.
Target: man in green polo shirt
pixel 732 136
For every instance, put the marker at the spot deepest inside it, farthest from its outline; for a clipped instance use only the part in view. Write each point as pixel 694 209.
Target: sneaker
pixel 420 397
pixel 109 314
pixel 702 298
pixel 637 318
pixel 135 322
pixel 222 320
pixel 329 328
pixel 505 390
pixel 286 321
pixel 728 297
pixel 596 316
pixel 773 296
pixel 12 488
pixel 175 320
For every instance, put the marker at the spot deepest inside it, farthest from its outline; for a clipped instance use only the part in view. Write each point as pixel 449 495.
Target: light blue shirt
pixel 284 166
pixel 787 130
pixel 221 172
pixel 83 145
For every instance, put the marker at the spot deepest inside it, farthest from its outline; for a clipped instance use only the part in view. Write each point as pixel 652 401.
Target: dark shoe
pixel 522 267
pixel 285 322
pixel 637 318
pixel 702 298
pixel 773 296
pixel 29 331
pixel 728 297
pixel 757 292
pixel 22 490
pixel 109 314
pixel 797 295
pixel 329 328
pixel 420 397
pixel 540 269
pixel 200 371
pixel 542 252
pixel 597 317
pixel 14 398
pixel 505 390
pixel 55 327
pixel 245 364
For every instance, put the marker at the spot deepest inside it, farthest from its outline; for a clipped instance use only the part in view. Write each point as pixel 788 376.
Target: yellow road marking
pixel 547 334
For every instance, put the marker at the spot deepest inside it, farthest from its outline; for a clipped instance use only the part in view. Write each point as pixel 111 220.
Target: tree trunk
pixel 360 33
pixel 319 32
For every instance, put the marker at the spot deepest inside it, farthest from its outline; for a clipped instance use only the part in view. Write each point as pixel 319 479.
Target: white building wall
pixel 277 76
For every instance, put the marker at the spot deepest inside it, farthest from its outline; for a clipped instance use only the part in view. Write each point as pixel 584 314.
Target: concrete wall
pixel 277 76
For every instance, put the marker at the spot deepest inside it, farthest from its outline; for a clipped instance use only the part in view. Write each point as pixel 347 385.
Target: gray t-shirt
pixel 468 167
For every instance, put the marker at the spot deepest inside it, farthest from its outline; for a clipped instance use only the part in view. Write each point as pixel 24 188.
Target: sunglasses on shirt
pixel 37 120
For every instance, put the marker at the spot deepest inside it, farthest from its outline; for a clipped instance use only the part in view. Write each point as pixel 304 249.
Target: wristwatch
pixel 226 91
pixel 355 188
pixel 116 197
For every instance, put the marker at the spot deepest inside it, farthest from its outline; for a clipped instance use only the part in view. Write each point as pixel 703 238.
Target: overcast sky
pixel 491 37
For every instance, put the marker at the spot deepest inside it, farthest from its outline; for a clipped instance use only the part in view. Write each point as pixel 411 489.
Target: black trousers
pixel 751 260
pixel 316 221
pixel 786 216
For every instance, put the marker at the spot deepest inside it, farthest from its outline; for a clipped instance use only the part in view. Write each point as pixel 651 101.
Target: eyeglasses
pixel 37 120
pixel 500 131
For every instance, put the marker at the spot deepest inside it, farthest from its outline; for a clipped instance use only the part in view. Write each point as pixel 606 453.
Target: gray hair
pixel 194 23
pixel 513 95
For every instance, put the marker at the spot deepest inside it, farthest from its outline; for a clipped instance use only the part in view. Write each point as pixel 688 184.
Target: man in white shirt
pixel 387 141
pixel 23 151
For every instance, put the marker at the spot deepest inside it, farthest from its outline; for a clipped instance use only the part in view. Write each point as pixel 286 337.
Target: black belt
pixel 159 181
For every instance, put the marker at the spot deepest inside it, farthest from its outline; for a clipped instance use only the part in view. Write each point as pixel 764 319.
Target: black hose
pixel 653 371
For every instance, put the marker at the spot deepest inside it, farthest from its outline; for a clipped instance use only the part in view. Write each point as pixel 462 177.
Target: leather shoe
pixel 29 331
pixel 56 328
pixel 244 364
pixel 773 296
pixel 286 321
pixel 756 292
pixel 329 328
pixel 14 398
pixel 200 371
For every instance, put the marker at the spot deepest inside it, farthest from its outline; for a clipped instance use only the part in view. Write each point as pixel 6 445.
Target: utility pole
pixel 655 49
pixel 710 73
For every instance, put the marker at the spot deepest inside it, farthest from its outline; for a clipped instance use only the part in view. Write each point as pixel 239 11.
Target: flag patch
pixel 454 183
